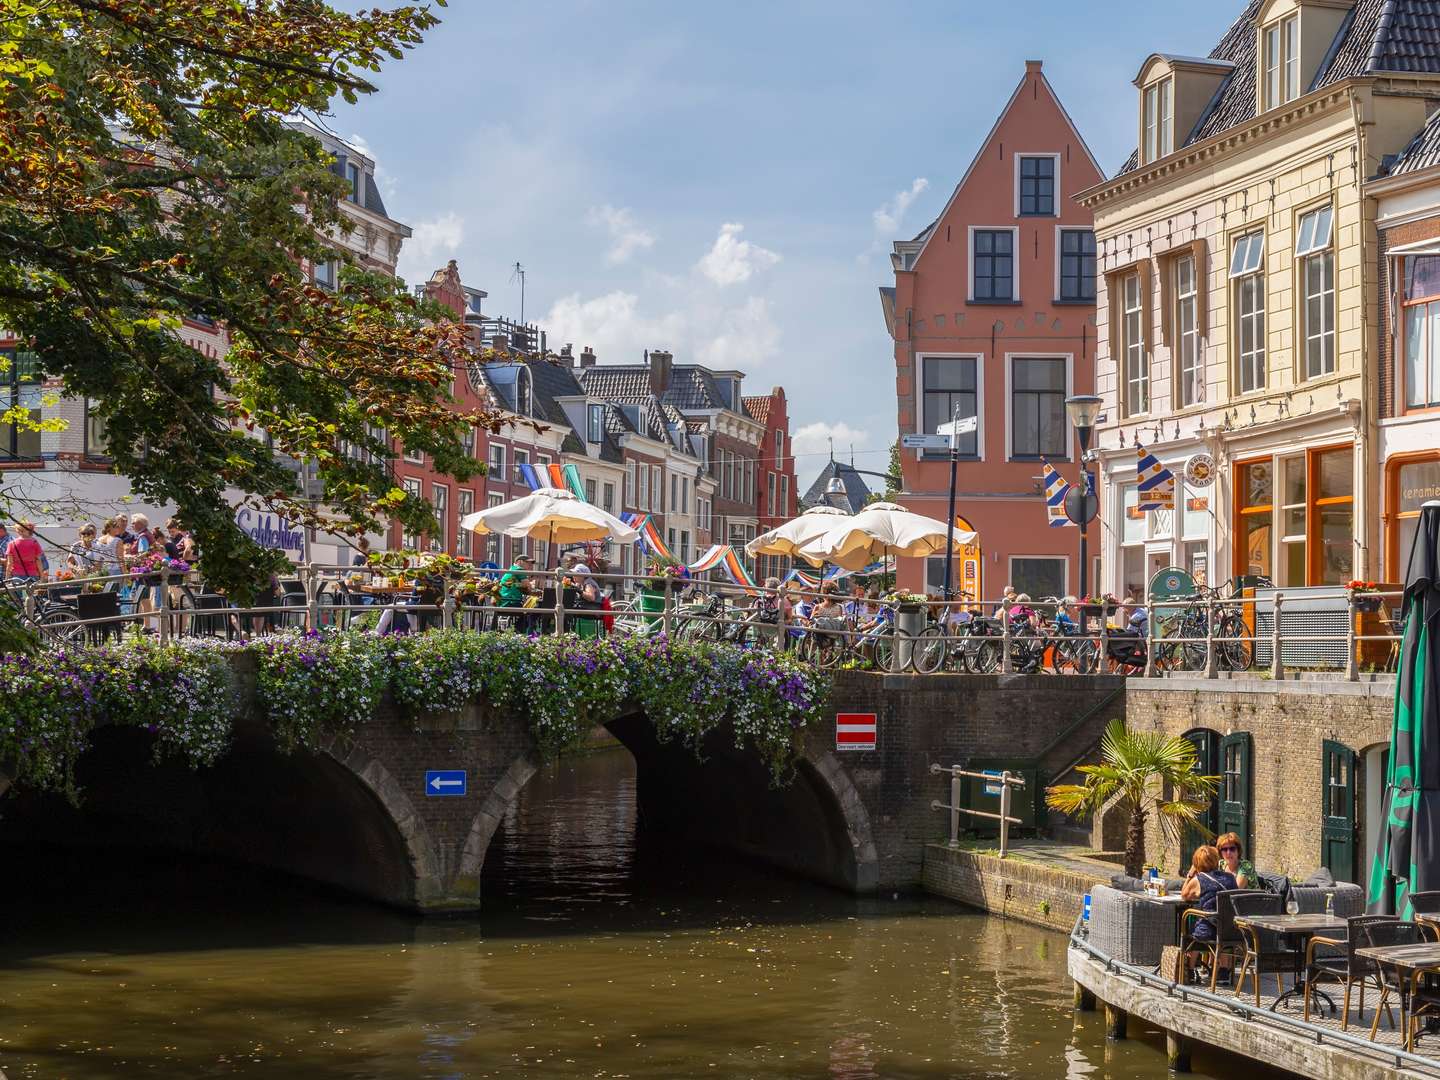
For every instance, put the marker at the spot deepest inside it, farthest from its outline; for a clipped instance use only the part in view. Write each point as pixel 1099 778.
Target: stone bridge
pixel 356 815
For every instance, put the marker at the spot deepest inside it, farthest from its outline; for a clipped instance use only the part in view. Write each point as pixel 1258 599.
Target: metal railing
pixel 1198 636
pixel 1006 781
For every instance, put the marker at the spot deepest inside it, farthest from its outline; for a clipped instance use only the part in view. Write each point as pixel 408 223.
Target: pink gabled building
pixel 993 313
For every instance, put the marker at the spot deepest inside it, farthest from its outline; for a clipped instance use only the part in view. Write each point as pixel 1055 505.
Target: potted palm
pixel 1152 774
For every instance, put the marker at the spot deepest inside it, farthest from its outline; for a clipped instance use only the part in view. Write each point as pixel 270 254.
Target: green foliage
pixel 313 687
pixel 1151 773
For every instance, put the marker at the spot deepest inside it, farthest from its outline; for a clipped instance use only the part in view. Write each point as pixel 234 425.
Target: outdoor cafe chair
pixel 1266 953
pixel 1424 1002
pixel 1227 939
pixel 1427 903
pixel 1343 967
pixel 1385 935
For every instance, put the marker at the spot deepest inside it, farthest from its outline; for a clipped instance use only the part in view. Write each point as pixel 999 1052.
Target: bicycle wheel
pixel 1237 653
pixel 981 654
pixel 61 627
pixel 927 655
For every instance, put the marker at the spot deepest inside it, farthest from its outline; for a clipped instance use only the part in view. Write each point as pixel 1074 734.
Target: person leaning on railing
pixel 25 560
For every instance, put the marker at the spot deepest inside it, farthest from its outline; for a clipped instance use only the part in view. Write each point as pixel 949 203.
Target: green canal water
pixel 595 957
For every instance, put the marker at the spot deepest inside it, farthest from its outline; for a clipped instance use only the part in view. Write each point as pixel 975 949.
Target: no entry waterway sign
pixel 855 731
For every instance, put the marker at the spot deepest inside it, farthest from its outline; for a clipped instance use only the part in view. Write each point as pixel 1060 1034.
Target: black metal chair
pixel 1266 953
pixel 1227 939
pixel 1340 964
pixel 1385 935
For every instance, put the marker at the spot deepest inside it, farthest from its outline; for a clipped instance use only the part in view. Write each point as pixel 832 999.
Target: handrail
pixel 1238 1006
pixel 1006 780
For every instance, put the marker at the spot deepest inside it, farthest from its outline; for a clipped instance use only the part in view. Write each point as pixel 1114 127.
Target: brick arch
pixel 837 780
pixel 426 873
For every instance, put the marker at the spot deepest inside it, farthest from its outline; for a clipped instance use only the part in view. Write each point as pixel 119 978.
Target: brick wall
pixel 1045 896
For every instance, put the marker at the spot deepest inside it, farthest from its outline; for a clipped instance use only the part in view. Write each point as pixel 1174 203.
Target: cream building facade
pixel 1238 294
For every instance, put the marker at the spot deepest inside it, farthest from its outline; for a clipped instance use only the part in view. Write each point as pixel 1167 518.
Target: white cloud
pixel 889 216
pixel 741 337
pixel 432 243
pixel 814 439
pixel 626 235
pixel 731 260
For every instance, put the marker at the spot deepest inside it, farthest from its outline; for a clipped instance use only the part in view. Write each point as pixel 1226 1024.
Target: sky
pixel 724 180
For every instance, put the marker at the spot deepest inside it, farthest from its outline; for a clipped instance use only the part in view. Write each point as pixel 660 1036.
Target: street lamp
pixel 1082 504
pixel 836 495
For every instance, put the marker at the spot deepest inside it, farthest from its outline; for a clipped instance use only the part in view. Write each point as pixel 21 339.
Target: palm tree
pixel 1132 762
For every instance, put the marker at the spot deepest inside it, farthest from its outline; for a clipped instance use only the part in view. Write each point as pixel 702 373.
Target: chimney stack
pixel 660 363
pixel 567 353
pixel 587 357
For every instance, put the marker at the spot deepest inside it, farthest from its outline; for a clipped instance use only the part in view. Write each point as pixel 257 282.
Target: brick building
pixel 991 313
pixel 777 493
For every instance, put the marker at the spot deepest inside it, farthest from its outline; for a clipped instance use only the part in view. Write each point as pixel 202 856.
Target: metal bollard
pixel 1277 664
pixel 667 621
pixel 312 596
pixel 955 806
pixel 1149 641
pixel 447 611
pixel 559 603
pixel 779 620
pixel 1005 665
pixel 1102 662
pixel 1352 664
pixel 164 607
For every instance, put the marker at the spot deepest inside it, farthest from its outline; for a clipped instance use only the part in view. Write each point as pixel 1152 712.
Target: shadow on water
pixel 599 953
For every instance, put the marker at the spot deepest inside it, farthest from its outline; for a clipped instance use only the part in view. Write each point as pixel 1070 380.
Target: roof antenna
pixel 831 440
pixel 852 455
pixel 519 272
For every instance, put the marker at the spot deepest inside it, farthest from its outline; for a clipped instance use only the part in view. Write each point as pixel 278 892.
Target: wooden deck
pixel 1281 1039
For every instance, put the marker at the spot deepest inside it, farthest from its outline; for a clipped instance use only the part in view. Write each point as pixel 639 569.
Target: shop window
pixel 1412 483
pixel 1301 533
pixel 1256 519
pixel 1039 577
pixel 1333 525
pixel 1294 568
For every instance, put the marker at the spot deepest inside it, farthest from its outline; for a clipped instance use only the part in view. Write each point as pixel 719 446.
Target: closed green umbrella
pixel 1408 860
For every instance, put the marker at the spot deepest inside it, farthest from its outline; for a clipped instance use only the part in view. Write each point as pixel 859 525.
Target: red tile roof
pixel 758 407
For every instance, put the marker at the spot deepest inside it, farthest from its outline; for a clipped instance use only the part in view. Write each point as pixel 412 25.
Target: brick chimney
pixel 660 364
pixel 587 357
pixel 567 353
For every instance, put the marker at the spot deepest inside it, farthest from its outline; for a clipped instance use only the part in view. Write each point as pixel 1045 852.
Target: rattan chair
pixel 1338 963
pixel 1383 935
pixel 1427 903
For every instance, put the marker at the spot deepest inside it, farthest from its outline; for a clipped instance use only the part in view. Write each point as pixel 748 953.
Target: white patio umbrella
pixel 788 539
pixel 550 514
pixel 880 531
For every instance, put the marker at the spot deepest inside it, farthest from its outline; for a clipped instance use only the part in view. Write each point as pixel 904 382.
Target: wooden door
pixel 1236 785
pixel 1337 822
pixel 1206 743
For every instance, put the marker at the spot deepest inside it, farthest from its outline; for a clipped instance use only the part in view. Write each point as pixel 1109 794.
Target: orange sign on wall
pixel 969 564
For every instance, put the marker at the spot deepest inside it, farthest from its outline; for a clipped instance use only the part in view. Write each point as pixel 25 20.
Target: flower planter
pixel 1368 602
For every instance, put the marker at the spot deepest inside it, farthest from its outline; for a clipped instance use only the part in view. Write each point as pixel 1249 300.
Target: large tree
pixel 148 174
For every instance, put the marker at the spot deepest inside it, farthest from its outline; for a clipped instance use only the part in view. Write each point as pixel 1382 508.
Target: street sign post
pixel 962 425
pixel 445 783
pixel 855 731
pixel 925 442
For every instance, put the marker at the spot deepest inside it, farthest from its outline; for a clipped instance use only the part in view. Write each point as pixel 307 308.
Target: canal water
pixel 595 957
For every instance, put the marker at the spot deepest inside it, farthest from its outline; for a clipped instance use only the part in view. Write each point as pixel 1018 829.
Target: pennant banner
pixel 573 482
pixel 1056 488
pixel 1157 483
pixel 531 478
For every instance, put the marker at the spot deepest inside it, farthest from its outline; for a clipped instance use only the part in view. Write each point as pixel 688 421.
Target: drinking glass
pixel 1292 906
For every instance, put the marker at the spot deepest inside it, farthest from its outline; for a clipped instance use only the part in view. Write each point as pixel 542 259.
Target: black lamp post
pixel 1082 505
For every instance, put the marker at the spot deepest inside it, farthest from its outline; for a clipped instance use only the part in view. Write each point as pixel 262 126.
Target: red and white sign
pixel 855 731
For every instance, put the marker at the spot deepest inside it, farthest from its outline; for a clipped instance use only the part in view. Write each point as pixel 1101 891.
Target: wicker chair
pixel 1427 903
pixel 1129 928
pixel 1349 899
pixel 1334 959
pixel 1227 939
pixel 1424 1002
pixel 1265 953
pixel 1383 935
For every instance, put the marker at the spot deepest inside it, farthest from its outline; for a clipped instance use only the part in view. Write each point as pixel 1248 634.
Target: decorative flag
pixel 720 555
pixel 557 477
pixel 1056 488
pixel 531 478
pixel 1157 483
pixel 574 483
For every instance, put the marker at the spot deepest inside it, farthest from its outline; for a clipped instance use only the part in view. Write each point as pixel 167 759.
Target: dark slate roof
pixel 691 387
pixel 373 202
pixel 856 490
pixel 1422 153
pixel 1377 36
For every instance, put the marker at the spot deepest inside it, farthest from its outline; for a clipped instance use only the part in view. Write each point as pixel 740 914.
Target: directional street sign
pixel 925 442
pixel 968 425
pixel 445 782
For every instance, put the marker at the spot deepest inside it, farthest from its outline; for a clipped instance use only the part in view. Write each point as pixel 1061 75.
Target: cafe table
pixel 1300 928
pixel 1405 960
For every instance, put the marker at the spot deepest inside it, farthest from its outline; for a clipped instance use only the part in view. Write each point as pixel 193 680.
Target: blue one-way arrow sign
pixel 445 782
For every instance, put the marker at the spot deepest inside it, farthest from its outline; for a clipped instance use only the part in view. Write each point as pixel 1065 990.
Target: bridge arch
pixel 815 825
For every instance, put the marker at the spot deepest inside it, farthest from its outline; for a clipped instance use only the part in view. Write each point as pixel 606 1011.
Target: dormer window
pixel 354 176
pixel 595 424
pixel 1280 44
pixel 1159 119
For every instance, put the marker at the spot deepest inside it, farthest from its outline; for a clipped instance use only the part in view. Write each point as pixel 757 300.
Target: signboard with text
pixel 855 731
pixel 272 532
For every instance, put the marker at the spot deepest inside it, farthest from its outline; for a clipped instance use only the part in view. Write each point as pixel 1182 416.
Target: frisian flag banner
pixel 1056 488
pixel 1157 483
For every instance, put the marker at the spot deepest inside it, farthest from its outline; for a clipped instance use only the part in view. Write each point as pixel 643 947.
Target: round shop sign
pixel 1200 471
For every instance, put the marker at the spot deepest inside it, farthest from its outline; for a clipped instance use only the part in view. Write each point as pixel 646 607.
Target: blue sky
pixel 723 180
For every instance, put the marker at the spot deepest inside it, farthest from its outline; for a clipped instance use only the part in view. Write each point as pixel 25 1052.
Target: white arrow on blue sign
pixel 440 782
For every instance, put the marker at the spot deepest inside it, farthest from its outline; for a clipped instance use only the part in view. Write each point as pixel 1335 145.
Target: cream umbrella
pixel 788 539
pixel 878 532
pixel 551 514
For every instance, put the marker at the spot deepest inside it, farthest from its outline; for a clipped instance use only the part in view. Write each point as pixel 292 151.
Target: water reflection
pixel 596 956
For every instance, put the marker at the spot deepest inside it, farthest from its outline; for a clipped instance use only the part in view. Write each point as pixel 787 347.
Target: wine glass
pixel 1292 905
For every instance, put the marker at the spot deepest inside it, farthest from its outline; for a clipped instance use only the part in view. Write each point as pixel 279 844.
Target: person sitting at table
pixel 1231 856
pixel 516 585
pixel 1202 884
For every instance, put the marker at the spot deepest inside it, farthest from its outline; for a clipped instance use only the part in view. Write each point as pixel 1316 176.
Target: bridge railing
pixel 1279 632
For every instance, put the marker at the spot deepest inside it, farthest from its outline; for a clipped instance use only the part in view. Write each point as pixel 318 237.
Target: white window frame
pixel 657 489
pixel 1189 353
pixel 464 507
pixel 1010 359
pixel 440 500
pixel 1280 62
pixel 1055 194
pixel 1014 231
pixel 627 486
pixel 642 493
pixel 414 457
pixel 1247 275
pixel 495 462
pixel 411 485
pixel 1135 368
pixel 607 497
pixel 1314 233
pixel 1157 120
pixel 784 495
pixel 979 359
